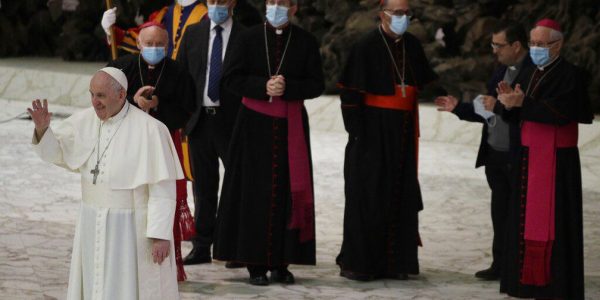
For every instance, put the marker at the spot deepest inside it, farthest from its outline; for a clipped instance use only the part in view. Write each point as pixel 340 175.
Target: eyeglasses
pixel 497 46
pixel 541 44
pixel 399 13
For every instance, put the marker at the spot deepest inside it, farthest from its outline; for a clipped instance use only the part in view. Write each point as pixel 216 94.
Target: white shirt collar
pixel 541 68
pixel 120 115
pixel 225 25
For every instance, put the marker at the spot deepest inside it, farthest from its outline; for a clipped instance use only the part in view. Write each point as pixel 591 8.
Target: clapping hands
pixel 508 97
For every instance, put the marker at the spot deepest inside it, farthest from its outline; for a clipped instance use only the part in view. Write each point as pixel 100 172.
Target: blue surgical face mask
pixel 277 15
pixel 398 25
pixel 218 13
pixel 153 55
pixel 540 55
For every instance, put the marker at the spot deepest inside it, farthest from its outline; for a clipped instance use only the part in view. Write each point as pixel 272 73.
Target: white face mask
pixel 185 3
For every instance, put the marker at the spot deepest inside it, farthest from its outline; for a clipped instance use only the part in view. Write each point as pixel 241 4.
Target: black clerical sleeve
pixel 352 110
pixel 311 84
pixel 176 110
pixel 558 99
pixel 352 90
pixel 466 112
pixel 238 74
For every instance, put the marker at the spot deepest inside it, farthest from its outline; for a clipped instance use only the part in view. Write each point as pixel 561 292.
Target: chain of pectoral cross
pixel 527 91
pixel 99 157
pixel 403 74
pixel 287 44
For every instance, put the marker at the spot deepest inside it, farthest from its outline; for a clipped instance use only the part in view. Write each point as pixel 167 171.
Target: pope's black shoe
pixel 490 273
pixel 198 256
pixel 282 276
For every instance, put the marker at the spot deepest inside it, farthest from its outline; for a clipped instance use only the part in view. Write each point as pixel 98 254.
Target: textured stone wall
pixel 463 61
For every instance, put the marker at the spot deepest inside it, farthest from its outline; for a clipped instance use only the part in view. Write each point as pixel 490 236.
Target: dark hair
pixel 515 32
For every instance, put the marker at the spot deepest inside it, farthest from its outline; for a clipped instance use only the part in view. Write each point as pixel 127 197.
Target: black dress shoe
pixel 197 257
pixel 490 273
pixel 282 276
pixel 234 265
pixel 259 280
pixel 355 276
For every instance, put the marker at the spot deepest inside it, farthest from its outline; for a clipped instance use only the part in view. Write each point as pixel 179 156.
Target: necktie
pixel 215 65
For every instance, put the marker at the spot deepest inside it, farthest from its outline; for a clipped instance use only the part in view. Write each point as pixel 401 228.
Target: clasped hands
pixel 144 98
pixel 276 86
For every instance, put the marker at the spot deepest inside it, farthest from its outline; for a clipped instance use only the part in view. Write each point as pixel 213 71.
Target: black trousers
pixel 208 142
pixel 498 174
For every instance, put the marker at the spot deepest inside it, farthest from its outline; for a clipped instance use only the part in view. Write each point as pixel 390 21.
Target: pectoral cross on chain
pixel 95 171
pixel 403 87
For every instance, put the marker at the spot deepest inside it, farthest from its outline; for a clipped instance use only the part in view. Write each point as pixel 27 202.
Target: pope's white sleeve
pixel 48 148
pixel 161 210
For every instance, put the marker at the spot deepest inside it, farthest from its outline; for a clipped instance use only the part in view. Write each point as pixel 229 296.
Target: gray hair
pixel 114 84
pixel 556 35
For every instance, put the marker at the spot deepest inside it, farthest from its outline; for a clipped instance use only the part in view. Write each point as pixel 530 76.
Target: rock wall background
pixel 462 58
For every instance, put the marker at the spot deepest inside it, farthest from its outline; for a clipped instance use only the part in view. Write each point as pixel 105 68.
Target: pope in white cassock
pixel 123 247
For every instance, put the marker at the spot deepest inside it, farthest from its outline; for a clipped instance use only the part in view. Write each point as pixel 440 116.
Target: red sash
pixel 400 102
pixel 542 140
pixel 300 175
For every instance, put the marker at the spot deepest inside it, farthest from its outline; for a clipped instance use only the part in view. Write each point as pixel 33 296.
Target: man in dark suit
pixel 499 139
pixel 204 51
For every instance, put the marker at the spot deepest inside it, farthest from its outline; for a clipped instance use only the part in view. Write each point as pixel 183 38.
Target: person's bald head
pixel 152 36
pixel 107 95
pixel 386 3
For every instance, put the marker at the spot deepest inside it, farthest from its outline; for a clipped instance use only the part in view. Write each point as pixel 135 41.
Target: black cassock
pixel 556 96
pixel 255 204
pixel 382 190
pixel 173 87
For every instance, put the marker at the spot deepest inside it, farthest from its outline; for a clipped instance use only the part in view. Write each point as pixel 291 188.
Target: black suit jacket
pixel 466 112
pixel 193 55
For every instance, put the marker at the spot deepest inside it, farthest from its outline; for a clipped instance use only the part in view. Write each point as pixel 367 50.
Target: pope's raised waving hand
pixel 40 116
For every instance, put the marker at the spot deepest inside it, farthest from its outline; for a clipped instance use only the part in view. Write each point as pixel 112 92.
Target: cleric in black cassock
pixel 172 85
pixel 163 88
pixel 266 212
pixel 384 73
pixel 545 226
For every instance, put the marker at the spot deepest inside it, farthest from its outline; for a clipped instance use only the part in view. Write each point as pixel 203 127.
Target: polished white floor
pixel 38 204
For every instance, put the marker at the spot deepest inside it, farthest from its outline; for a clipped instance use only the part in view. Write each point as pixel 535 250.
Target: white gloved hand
pixel 109 18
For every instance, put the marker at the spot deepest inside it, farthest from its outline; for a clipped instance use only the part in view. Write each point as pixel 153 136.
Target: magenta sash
pixel 300 175
pixel 542 140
